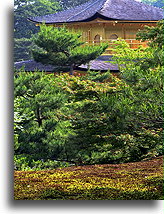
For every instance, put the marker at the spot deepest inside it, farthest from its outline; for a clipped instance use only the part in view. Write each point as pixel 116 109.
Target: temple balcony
pixel 133 43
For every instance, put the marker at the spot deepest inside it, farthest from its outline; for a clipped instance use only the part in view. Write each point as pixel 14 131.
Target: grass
pixel 129 181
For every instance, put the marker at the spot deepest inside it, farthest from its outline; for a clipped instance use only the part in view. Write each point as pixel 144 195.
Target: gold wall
pixel 105 29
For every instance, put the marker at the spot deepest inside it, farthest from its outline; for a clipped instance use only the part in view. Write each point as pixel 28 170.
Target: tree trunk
pixel 71 69
pixel 39 119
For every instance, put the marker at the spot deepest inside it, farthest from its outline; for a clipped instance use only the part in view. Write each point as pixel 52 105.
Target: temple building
pixel 101 21
pixel 106 20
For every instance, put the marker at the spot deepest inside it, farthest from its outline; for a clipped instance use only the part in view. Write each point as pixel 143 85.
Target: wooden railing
pixel 133 43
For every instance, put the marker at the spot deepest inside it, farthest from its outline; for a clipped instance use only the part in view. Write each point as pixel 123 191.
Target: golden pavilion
pixel 106 20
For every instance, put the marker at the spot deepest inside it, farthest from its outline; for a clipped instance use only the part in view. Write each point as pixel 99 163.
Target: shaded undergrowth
pixel 130 181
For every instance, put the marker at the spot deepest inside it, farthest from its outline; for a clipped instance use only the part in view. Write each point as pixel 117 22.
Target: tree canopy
pixel 156 3
pixel 71 3
pixel 155 37
pixel 23 9
pixel 24 29
pixel 92 119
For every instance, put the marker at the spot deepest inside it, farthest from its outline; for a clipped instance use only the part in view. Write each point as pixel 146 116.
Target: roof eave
pixel 100 21
pixel 95 16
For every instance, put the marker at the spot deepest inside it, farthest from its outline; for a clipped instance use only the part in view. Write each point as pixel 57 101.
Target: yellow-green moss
pixel 132 181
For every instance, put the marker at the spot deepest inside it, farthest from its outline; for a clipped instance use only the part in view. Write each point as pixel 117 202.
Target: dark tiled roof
pixel 78 13
pixel 97 65
pixel 107 9
pixel 31 65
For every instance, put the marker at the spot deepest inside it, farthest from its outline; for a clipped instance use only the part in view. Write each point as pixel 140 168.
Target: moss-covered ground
pixel 129 181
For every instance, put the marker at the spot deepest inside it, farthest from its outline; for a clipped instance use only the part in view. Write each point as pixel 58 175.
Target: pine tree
pixel 61 47
pixel 155 37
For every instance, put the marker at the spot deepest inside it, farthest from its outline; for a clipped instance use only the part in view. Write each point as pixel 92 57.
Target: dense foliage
pixel 23 9
pixel 36 100
pixel 22 49
pixel 155 3
pixel 97 118
pixel 155 37
pixel 65 4
pixel 24 29
pixel 77 120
